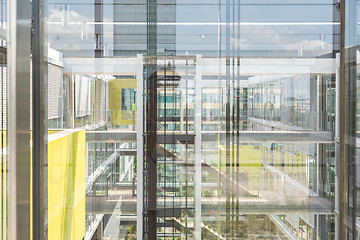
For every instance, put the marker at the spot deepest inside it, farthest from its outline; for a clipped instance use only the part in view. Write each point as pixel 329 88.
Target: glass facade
pixel 164 119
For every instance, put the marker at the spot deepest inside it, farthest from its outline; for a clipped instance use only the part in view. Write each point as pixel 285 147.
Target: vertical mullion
pixel 227 112
pixel 39 121
pixel 342 150
pixel 19 118
pixel 233 124
pixel 140 147
pixel 197 147
pixel 237 119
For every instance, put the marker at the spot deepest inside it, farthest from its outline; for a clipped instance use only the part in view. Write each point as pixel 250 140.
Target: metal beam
pixel 111 136
pixel 151 140
pixel 19 118
pixel 150 159
pixel 197 148
pixel 249 66
pixel 342 150
pixel 140 148
pixel 39 121
pixel 249 205
pixel 299 136
pixel 275 136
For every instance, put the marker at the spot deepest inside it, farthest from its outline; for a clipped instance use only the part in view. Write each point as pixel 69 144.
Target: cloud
pixel 277 38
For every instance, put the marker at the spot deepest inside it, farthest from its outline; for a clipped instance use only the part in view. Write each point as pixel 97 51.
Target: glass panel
pixel 349 174
pixel 193 119
pixel 3 121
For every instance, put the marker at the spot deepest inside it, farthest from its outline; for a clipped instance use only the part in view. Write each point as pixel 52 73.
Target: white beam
pixel 248 66
pixel 140 144
pixel 198 87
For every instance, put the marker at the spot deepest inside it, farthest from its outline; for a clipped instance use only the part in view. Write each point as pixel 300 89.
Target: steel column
pixel 150 208
pixel 342 153
pixel 140 147
pixel 40 117
pixel 19 118
pixel 197 166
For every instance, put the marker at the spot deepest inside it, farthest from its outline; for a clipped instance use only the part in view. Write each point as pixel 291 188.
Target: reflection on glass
pixel 237 122
pixel 3 121
pixel 198 119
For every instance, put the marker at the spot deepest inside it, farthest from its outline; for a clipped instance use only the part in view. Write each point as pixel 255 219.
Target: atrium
pixel 185 120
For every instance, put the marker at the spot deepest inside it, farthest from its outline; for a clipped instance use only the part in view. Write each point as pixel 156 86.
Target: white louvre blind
pixel 83 95
pixel 55 79
pixel 100 100
pixel 3 102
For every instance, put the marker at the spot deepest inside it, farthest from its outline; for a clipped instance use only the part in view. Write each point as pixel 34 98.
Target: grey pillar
pixel 342 149
pixel 40 119
pixel 19 119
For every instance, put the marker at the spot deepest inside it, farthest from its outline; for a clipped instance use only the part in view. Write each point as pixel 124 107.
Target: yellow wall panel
pixel 118 116
pixel 66 186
